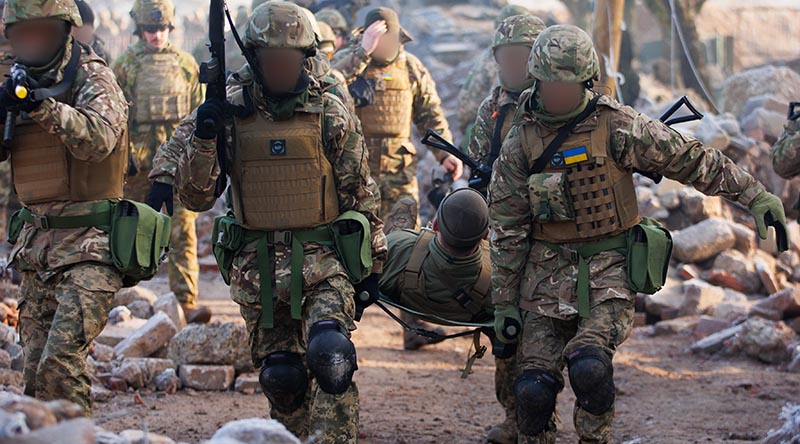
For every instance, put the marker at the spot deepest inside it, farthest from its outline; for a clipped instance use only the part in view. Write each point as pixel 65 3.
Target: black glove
pixel 160 194
pixel 210 118
pixel 367 293
pixel 10 102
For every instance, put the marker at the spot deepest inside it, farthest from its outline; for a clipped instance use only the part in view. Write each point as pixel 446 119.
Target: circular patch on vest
pixel 277 147
pixel 557 160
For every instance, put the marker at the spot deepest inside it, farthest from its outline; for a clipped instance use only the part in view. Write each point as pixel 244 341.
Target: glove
pixel 160 194
pixel 767 210
pixel 367 293
pixel 210 118
pixel 507 323
pixel 10 102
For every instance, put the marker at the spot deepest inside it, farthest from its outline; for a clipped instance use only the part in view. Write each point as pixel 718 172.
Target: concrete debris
pixel 254 431
pixel 207 377
pixel 148 338
pixel 216 343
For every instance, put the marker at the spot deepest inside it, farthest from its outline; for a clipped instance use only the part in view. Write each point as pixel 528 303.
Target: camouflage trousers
pixel 59 319
pixel 545 342
pixel 334 418
pixel 393 164
pixel 182 268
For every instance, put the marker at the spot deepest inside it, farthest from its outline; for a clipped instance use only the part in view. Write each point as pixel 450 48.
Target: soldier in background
pixel 337 23
pixel 85 34
pixel 9 203
pixel 785 152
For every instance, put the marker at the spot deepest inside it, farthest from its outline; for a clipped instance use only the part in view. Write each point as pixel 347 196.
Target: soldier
pixel 332 81
pixel 8 198
pixel 392 90
pixel 512 45
pixel 300 163
pixel 337 23
pixel 563 216
pixel 68 157
pixel 85 34
pixel 162 83
pixel 785 158
pixel 482 77
pixel 446 272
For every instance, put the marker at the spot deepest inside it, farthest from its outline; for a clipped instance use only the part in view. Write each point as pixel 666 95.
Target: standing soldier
pixel 85 34
pixel 299 172
pixel 392 90
pixel 68 156
pixel 162 83
pixel 338 24
pixel 786 151
pixel 569 249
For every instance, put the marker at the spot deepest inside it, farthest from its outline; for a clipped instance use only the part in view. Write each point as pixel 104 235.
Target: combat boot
pixel 196 314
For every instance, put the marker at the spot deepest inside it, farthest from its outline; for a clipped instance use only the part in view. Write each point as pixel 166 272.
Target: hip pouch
pixel 139 240
pixel 15 225
pixel 353 243
pixel 227 239
pixel 649 251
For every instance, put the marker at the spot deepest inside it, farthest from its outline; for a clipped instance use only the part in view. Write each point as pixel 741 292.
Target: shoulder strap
pixel 563 133
pixel 70 73
pixel 497 140
pixel 473 300
pixel 418 254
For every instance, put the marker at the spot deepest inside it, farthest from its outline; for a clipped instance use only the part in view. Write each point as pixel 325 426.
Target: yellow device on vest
pixel 21 92
pixel 575 155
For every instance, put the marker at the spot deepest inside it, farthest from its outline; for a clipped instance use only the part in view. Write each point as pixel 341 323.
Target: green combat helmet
pixel 16 11
pixel 153 12
pixel 279 24
pixel 333 18
pixel 518 30
pixel 510 11
pixel 564 53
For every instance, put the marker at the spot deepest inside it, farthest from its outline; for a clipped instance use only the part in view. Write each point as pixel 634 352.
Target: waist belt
pixel 295 239
pixel 100 217
pixel 580 255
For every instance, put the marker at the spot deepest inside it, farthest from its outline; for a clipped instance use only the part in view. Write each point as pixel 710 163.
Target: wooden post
pixel 608 14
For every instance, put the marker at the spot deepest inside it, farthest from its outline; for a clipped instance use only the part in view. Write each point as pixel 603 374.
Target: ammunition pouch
pixel 649 251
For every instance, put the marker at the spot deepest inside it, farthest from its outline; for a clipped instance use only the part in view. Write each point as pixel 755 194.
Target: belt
pixel 99 217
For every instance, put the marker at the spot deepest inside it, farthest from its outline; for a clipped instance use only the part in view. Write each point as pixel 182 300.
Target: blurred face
pixel 36 42
pixel 341 39
pixel 560 97
pixel 156 36
pixel 83 33
pixel 388 45
pixel 280 68
pixel 513 63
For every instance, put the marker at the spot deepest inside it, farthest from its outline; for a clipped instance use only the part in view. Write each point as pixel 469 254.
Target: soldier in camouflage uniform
pixel 512 45
pixel 403 93
pixel 300 162
pixel 86 34
pixel 69 163
pixel 336 21
pixel 482 77
pixel 332 81
pixel 446 272
pixel 8 198
pixel 162 83
pixel 786 153
pixel 559 226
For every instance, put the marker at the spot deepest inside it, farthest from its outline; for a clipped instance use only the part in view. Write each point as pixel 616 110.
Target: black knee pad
pixel 592 377
pixel 284 379
pixel 535 392
pixel 331 357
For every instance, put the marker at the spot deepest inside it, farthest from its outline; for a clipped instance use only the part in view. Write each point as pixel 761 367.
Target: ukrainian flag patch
pixel 575 155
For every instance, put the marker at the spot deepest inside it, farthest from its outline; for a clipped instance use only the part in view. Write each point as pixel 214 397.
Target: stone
pixel 207 377
pixel 699 207
pixel 12 425
pixel 790 430
pixel 10 377
pixel 745 238
pixel 649 206
pixel 102 352
pixel 168 381
pixel 794 365
pixel 711 133
pixel 17 354
pixel 734 305
pixel 116 333
pixel 741 268
pixel 248 384
pixel 715 342
pixel 140 309
pixel 37 414
pixel 768 279
pixel 5 359
pixel 140 372
pixel 700 297
pixel 688 271
pixel 779 81
pixel 784 304
pixel 148 338
pixel 669 298
pixel 765 340
pixel 764 124
pixel 103 436
pixel 708 325
pixel 117 384
pixel 140 437
pixel 669 199
pixel 73 431
pixel 138 293
pixel 119 314
pixel 63 409
pixel 216 343
pixel 674 326
pixel 170 305
pixel 8 335
pixel 101 394
pixel 256 431
pixel 703 240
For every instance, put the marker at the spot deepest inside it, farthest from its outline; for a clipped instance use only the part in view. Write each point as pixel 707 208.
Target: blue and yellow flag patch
pixel 575 155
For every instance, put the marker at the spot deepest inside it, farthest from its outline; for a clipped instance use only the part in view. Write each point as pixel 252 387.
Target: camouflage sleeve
pixel 428 112
pixel 639 142
pixel 168 154
pixel 121 68
pixel 351 60
pixel 510 218
pixel 91 128
pixel 482 132
pixel 786 152
pixel 197 171
pixel 192 72
pixel 356 188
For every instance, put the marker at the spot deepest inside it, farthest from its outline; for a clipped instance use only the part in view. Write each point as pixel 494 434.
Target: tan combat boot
pixel 196 314
pixel 503 433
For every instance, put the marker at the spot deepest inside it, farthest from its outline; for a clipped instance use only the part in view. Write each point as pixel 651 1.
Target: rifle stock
pixel 481 174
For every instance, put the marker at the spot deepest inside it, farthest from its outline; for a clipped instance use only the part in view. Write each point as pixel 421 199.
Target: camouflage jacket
pixel 198 170
pixel 786 152
pixel 90 124
pixel 146 138
pixel 481 79
pixel 482 133
pixel 331 80
pixel 635 142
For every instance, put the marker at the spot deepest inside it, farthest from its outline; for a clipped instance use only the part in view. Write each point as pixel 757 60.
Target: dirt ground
pixel 665 395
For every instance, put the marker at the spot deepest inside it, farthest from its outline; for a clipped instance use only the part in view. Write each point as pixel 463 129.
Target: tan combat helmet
pixel 279 24
pixel 153 12
pixel 327 40
pixel 334 19
pixel 16 11
pixel 564 53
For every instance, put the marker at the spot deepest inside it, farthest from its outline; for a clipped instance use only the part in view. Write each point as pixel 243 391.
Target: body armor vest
pixel 390 116
pixel 162 93
pixel 600 194
pixel 281 178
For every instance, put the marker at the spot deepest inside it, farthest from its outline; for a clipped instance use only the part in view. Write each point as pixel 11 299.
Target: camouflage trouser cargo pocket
pixel 549 198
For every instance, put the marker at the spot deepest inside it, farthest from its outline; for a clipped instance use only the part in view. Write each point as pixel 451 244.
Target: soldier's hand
pixel 767 210
pixel 507 323
pixel 454 166
pixel 367 293
pixel 372 36
pixel 210 118
pixel 10 102
pixel 160 195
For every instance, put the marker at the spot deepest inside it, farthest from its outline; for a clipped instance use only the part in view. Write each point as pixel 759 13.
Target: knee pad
pixel 331 357
pixel 535 392
pixel 284 379
pixel 592 377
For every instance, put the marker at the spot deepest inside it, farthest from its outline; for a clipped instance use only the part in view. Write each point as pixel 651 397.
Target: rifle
pixel 666 119
pixel 794 111
pixel 21 89
pixel 480 172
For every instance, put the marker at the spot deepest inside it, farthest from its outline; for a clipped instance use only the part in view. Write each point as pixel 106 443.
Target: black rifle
pixel 480 172
pixel 21 88
pixel 668 120
pixel 794 111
